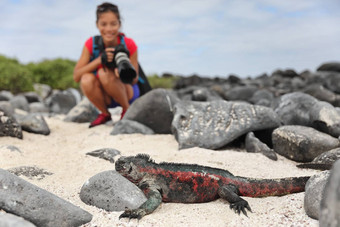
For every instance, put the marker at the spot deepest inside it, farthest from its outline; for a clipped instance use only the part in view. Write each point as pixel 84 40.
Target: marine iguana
pixel 189 183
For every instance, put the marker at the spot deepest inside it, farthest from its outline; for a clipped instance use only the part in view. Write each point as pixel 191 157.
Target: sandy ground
pixel 63 154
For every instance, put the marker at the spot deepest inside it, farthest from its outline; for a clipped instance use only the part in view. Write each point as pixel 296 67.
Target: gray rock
pixel 61 102
pixel 262 97
pixel 325 118
pixel 321 93
pixel 330 202
pixel 43 90
pixel 37 205
pixel 6 95
pixel 330 66
pixel 105 153
pixel 75 93
pixel 112 192
pixel 313 193
pixel 6 106
pixel 154 109
pixel 32 96
pixel 298 83
pixel 254 145
pixel 30 172
pixel 332 82
pixel 214 124
pixel 293 108
pixel 300 143
pixel 34 123
pixel 302 109
pixel 240 93
pixel 195 80
pixel 288 73
pixel 20 102
pixel 38 107
pixel 9 126
pixel 324 161
pixel 84 111
pixel 130 127
pixel 198 93
pixel 10 220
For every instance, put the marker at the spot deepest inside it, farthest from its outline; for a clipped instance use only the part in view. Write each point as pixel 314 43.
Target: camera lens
pixel 126 70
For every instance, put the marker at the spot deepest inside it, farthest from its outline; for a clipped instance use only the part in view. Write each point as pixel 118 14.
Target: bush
pixel 57 73
pixel 162 82
pixel 14 77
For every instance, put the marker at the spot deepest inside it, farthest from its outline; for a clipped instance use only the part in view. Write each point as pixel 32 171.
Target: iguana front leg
pixel 231 194
pixel 154 200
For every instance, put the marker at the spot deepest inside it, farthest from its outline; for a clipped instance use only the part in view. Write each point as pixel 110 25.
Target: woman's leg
pixel 92 89
pixel 115 88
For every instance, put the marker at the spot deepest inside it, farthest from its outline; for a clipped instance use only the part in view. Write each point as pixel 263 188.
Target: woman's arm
pixel 84 65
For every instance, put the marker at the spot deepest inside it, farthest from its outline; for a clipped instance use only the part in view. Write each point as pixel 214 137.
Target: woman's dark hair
pixel 107 7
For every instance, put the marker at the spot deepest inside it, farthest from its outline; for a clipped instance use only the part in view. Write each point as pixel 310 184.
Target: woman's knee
pixel 88 81
pixel 107 77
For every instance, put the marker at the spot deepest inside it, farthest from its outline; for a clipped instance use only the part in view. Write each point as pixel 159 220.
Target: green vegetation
pixel 17 77
pixel 57 73
pixel 14 76
pixel 162 82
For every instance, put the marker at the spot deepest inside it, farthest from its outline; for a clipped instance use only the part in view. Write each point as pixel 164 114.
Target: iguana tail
pixel 271 187
pixel 319 166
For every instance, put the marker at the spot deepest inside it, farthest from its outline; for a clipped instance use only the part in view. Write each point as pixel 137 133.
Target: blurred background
pixel 182 37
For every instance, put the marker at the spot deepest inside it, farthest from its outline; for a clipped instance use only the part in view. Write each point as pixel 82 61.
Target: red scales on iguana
pixel 187 183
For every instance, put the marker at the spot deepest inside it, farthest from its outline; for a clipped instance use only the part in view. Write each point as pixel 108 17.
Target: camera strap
pixel 98 45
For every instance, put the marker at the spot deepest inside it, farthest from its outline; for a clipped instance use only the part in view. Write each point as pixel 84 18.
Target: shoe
pixel 101 119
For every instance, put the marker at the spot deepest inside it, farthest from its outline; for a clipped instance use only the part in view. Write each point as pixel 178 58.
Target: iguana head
pixel 130 166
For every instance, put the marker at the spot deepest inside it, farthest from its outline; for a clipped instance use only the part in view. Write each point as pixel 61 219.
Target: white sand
pixel 63 154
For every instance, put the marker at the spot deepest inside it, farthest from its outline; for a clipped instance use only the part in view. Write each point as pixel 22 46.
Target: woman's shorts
pixel 136 94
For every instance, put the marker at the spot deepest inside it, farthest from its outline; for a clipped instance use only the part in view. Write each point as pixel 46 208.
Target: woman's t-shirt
pixel 130 45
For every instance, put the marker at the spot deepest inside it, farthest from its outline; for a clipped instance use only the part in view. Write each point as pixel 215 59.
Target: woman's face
pixel 108 26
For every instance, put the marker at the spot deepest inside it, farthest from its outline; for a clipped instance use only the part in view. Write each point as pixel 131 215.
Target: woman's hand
pixel 109 53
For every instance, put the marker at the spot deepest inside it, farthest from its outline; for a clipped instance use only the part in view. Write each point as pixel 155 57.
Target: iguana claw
pixel 240 206
pixel 135 213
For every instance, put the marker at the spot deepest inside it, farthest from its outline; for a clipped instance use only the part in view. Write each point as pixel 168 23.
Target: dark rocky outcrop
pixel 9 126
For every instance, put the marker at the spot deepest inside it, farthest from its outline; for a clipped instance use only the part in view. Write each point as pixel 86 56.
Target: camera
pixel 121 61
